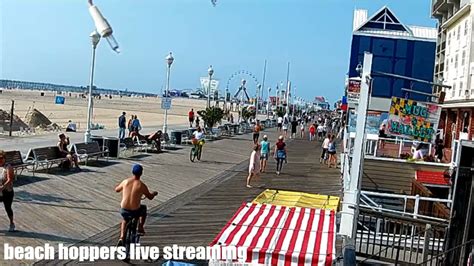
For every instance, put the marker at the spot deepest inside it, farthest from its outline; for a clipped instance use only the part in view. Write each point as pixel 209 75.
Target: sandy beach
pixel 106 110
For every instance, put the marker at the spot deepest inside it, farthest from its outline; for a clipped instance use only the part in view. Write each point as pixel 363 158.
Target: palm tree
pixel 211 116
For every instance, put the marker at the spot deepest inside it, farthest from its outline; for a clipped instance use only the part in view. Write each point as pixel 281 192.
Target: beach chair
pixel 166 142
pixel 141 145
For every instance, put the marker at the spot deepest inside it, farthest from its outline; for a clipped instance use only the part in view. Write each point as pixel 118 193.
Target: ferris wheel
pixel 241 94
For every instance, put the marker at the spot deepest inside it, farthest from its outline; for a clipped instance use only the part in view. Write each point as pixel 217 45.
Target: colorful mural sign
pixel 413 120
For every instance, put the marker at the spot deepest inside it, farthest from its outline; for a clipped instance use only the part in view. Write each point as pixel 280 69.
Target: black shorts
pixel 279 125
pixel 130 214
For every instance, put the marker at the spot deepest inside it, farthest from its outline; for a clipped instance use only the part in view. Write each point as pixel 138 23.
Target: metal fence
pixel 400 240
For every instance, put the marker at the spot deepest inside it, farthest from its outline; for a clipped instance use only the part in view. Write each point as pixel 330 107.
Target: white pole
pixel 352 194
pixel 165 125
pixel 209 92
pixel 87 135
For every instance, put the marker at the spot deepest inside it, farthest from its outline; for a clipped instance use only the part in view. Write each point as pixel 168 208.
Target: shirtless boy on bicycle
pixel 132 190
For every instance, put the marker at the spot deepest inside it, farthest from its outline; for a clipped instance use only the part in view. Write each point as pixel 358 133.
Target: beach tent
pixel 280 235
pixel 297 199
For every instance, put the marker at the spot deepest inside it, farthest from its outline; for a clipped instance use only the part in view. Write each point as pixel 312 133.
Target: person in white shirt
pixel 320 130
pixel 325 147
pixel 198 134
pixel 279 123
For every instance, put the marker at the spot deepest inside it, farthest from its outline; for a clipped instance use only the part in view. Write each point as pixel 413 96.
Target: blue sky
pixel 47 41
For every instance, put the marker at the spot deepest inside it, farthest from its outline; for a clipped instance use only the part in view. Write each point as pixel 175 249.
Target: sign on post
pixel 166 103
pixel 413 120
pixel 353 92
pixel 59 100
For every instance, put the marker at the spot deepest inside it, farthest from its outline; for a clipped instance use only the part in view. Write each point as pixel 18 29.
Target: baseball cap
pixel 137 170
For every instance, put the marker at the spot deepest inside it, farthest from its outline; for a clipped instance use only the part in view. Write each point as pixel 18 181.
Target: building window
pixel 466 26
pixel 465 122
pixel 453 90
pixel 463 58
pixel 456 61
pixel 459 32
pixel 460 89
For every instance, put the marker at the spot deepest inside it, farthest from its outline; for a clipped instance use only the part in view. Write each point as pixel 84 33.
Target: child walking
pixel 254 164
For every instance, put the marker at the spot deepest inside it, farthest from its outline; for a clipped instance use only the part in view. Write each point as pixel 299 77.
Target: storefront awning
pixel 279 235
pixel 297 199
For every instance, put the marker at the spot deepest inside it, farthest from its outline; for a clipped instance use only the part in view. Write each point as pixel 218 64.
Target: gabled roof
pixel 385 23
pixel 384 19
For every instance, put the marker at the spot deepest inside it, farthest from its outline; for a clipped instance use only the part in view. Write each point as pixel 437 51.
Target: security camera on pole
pixel 104 30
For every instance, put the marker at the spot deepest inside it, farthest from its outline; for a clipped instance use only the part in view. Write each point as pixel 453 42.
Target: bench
pixel 15 159
pixel 90 150
pixel 45 157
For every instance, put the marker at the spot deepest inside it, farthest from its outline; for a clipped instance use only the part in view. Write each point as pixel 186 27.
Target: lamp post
pixel 169 61
pixel 210 71
pixel 256 99
pixel 104 30
pixel 95 38
pixel 268 102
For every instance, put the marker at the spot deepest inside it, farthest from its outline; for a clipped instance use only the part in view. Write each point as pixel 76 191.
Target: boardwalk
pixel 71 206
pixel 194 218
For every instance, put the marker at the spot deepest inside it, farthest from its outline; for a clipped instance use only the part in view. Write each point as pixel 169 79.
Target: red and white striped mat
pixel 278 235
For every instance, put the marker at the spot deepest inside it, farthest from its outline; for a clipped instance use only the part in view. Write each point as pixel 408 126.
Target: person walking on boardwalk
pixel 325 146
pixel 332 152
pixel 302 126
pixel 122 125
pixel 280 154
pixel 256 132
pixel 191 117
pixel 279 123
pixel 6 188
pixel 286 124
pixel 254 166
pixel 264 153
pixel 312 132
pixel 294 126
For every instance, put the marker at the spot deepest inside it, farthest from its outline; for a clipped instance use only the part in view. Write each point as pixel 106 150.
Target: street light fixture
pixel 169 61
pixel 210 71
pixel 103 29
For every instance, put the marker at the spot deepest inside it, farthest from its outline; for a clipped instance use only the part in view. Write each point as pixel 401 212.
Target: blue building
pixel 396 48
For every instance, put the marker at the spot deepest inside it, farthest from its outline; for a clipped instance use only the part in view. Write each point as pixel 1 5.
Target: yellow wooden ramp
pixel 297 199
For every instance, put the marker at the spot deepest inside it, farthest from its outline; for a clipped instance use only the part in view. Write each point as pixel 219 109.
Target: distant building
pixel 455 67
pixel 397 49
pixel 321 102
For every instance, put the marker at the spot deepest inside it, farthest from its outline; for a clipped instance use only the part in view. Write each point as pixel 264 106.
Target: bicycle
pixel 196 150
pixel 131 236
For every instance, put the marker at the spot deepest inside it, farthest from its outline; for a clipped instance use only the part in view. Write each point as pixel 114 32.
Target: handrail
pixel 447 251
pixel 414 215
pixel 397 196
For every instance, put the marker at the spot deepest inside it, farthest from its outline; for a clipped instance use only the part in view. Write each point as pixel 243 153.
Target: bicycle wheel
pixel 128 239
pixel 199 153
pixel 192 154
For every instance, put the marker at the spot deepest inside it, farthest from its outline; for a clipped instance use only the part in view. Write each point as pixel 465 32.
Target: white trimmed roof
pixel 384 23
